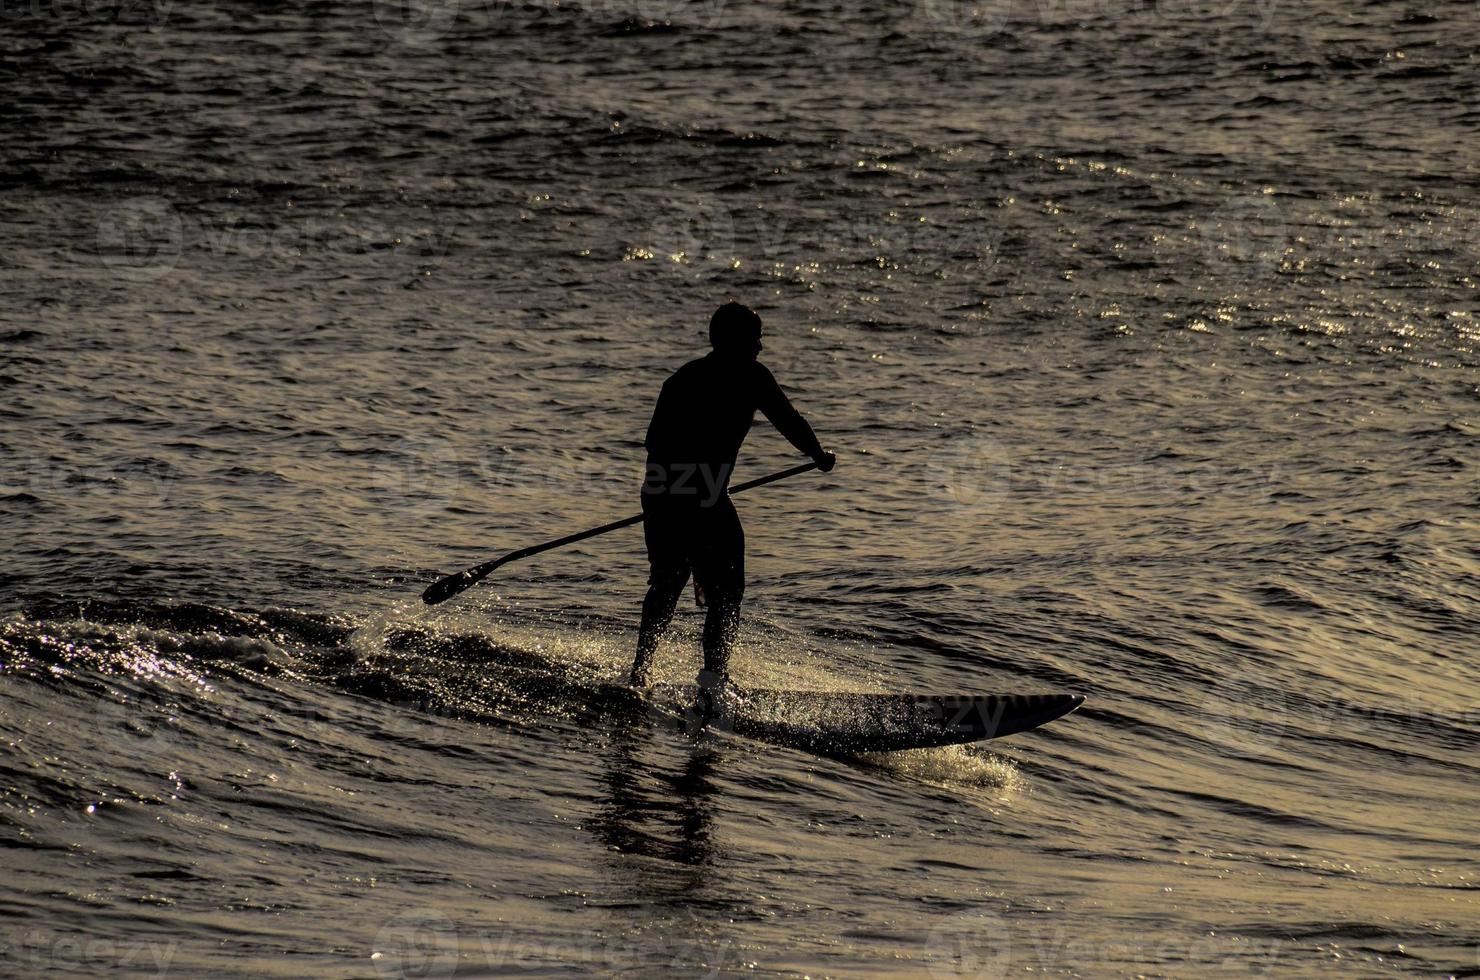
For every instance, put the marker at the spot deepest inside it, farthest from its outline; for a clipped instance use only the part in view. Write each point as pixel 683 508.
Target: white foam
pixel 952 765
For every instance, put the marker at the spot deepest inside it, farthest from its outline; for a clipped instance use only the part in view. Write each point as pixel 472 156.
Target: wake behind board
pixel 834 723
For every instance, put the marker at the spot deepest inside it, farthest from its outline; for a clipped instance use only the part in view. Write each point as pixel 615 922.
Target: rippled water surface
pixel 1145 334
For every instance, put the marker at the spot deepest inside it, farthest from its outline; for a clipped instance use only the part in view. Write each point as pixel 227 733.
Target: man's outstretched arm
pixel 788 421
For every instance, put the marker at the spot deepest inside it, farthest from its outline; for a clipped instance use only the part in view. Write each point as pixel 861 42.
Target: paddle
pixel 446 588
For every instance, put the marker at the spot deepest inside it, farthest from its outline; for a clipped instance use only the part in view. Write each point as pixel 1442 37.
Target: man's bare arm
pixel 788 421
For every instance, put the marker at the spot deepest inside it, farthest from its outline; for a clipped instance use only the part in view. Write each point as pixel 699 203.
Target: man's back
pixel 704 413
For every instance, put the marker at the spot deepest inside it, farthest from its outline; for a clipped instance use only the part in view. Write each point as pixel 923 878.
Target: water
pixel 1146 338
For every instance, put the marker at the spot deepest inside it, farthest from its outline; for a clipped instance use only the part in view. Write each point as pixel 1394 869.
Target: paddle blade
pixel 445 588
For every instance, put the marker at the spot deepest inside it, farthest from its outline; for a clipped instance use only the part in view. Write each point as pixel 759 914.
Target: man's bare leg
pixel 657 613
pixel 721 625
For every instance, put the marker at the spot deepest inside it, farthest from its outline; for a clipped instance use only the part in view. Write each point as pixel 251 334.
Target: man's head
pixel 735 330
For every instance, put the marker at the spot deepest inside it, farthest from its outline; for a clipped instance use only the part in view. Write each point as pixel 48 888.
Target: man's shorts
pixel 685 536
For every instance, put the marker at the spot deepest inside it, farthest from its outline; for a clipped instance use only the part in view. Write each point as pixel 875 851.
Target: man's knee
pixel 729 595
pixel 723 587
pixel 668 578
pixel 724 606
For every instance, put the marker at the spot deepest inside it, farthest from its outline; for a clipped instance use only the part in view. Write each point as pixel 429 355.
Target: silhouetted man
pixel 689 522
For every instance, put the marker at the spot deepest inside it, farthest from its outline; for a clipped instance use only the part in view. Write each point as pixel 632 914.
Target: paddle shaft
pixel 445 588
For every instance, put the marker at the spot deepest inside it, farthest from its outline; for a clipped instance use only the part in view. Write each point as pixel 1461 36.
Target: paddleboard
pixel 843 723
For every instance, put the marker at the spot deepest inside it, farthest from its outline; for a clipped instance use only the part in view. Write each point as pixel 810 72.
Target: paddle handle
pixel 762 481
pixel 445 588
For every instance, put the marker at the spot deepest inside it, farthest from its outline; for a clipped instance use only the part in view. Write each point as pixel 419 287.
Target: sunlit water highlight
pixel 1146 336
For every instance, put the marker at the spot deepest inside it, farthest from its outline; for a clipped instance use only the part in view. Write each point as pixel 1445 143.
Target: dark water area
pixel 1145 333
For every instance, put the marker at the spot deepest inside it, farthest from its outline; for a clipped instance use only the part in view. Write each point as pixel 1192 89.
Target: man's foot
pixel 714 696
pixel 704 707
